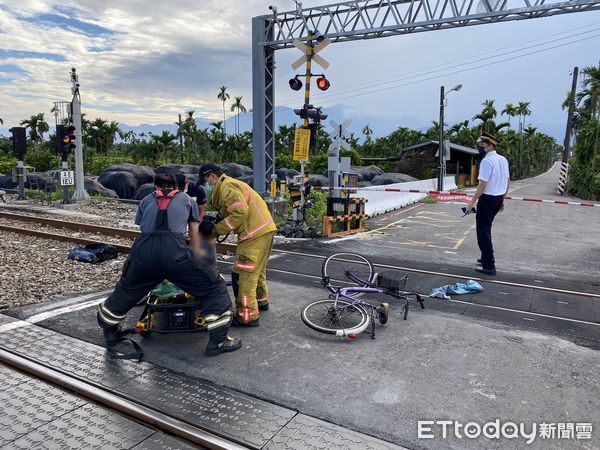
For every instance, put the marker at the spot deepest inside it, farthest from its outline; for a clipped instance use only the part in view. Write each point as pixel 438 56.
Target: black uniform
pixel 163 253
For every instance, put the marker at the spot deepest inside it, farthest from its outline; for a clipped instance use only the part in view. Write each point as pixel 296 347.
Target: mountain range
pixel 381 126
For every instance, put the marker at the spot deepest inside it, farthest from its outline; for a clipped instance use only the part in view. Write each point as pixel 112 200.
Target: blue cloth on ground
pixel 470 287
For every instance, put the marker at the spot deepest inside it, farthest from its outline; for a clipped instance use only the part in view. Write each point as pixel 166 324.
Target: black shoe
pixel 486 271
pixel 112 333
pixel 236 323
pixel 263 307
pixel 231 344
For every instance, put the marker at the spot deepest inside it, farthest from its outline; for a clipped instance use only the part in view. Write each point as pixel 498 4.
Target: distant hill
pixel 381 126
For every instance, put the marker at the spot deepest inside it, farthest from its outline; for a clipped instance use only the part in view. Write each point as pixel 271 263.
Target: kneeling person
pixel 161 252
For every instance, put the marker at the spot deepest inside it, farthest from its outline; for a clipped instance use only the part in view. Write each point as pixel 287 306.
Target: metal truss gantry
pixel 359 20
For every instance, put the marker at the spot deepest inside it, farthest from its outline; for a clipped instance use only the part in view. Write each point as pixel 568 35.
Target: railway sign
pixel 338 136
pixel 67 178
pixel 301 144
pixel 316 58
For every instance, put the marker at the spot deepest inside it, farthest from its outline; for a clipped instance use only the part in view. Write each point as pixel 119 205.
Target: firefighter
pixel 161 252
pixel 245 213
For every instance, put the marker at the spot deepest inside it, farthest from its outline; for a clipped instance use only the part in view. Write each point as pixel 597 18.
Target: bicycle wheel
pixel 339 317
pixel 346 269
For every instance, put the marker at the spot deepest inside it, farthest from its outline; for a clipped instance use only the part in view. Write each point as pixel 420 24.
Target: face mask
pixel 481 151
pixel 208 187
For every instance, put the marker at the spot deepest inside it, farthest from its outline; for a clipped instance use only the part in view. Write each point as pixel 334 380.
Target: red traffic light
pixel 295 84
pixel 68 138
pixel 323 83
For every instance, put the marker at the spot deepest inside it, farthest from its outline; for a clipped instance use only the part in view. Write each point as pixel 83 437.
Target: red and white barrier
pixel 459 197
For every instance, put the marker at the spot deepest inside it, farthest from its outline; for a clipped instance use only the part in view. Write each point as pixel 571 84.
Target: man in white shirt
pixel 494 180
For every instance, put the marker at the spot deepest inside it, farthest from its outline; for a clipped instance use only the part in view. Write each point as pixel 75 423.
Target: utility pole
pixel 180 140
pixel 441 143
pixel 80 192
pixel 564 165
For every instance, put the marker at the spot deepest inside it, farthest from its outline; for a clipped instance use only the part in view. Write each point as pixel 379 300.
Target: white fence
pixel 380 201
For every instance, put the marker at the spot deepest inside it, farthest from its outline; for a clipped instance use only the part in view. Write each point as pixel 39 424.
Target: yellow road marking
pixel 460 242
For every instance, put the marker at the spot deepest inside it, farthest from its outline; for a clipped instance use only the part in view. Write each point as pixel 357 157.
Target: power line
pixel 452 65
pixel 337 97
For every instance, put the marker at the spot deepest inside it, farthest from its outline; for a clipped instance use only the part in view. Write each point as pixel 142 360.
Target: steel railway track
pixel 152 417
pixel 230 248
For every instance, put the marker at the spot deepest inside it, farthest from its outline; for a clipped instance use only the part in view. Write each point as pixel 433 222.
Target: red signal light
pixel 323 83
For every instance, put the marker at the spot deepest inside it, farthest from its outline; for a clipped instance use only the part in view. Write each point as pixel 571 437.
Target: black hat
pixel 490 138
pixel 207 169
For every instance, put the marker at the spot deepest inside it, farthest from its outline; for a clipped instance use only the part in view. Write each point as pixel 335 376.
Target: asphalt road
pixel 458 361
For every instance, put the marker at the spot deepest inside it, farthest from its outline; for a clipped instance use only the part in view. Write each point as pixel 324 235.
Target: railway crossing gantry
pixel 359 20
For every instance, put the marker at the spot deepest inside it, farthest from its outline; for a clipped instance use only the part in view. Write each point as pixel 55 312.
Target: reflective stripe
pixel 105 311
pixel 226 220
pixel 245 266
pixel 237 205
pixel 264 299
pixel 219 323
pixel 213 317
pixel 245 308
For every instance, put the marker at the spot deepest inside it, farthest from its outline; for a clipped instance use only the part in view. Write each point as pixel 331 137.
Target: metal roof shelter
pixel 365 19
pixel 455 147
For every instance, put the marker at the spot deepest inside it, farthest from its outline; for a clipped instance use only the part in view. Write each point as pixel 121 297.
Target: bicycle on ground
pixel 349 276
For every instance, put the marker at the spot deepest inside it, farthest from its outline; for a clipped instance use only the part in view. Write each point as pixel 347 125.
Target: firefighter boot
pixel 219 342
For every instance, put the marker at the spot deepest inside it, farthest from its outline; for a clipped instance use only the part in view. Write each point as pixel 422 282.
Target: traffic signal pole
pixel 564 165
pixel 308 74
pixel 80 192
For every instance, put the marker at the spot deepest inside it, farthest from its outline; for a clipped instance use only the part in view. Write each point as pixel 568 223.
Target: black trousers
pixel 165 255
pixel 487 208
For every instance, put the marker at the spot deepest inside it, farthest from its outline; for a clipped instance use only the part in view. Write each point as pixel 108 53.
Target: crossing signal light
pixel 323 83
pixel 68 138
pixel 19 141
pixel 295 84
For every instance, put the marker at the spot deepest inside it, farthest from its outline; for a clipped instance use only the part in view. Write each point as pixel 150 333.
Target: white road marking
pixel 53 313
pixel 561 302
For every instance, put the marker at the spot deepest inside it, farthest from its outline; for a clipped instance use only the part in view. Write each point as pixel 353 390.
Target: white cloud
pixel 161 58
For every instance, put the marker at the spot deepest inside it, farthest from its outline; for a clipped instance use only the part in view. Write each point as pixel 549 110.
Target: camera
pixel 273 8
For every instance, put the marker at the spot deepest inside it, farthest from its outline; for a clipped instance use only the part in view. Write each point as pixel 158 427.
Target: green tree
pixel 238 107
pixel 487 113
pixel 223 96
pixel 511 111
pixel 37 127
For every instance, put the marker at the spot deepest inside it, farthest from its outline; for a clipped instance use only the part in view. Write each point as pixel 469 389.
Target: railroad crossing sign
pixel 316 58
pixel 301 144
pixel 67 178
pixel 339 135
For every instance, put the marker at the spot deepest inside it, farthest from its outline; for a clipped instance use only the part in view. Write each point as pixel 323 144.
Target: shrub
pixel 6 164
pixel 97 164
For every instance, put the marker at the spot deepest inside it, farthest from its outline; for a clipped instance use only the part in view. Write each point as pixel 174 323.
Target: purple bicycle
pixel 349 276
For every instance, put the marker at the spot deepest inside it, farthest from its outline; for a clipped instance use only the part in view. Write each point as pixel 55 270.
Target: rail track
pixel 152 417
pixel 225 248
pixel 79 227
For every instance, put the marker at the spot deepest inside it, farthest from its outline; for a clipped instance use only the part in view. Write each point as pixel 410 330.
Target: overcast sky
pixel 145 61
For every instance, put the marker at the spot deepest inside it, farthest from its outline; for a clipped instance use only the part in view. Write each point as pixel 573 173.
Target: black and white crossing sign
pixel 67 178
pixel 338 136
pixel 316 58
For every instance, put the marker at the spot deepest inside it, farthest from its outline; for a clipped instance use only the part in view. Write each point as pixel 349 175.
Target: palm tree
pixel 488 113
pixel 164 144
pixel 37 127
pixel 523 111
pixel 510 111
pixel 112 129
pixel 223 96
pixel 237 106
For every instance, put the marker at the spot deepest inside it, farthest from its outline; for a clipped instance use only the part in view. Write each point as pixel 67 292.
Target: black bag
pixel 93 253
